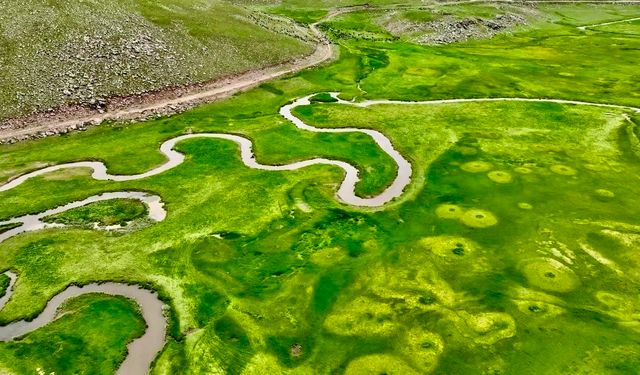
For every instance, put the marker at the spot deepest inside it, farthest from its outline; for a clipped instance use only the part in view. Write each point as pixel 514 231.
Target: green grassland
pixel 111 212
pixel 89 337
pixel 513 251
pixel 4 284
pixel 548 60
pixel 67 51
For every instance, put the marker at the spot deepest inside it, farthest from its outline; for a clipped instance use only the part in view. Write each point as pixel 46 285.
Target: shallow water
pixel 513 212
pixel 30 223
pixel 346 191
pixel 142 350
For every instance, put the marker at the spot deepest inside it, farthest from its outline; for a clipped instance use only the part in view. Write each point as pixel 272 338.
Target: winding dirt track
pixel 223 88
pixel 609 23
pixel 324 51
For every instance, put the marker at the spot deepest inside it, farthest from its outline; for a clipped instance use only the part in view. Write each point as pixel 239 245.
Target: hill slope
pixel 54 52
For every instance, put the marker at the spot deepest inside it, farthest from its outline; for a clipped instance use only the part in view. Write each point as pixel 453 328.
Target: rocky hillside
pixel 457 23
pixel 54 52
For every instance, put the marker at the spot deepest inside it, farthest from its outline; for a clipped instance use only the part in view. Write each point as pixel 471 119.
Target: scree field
pixel 454 192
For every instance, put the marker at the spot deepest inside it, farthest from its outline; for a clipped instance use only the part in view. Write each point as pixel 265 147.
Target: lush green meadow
pixel 513 251
pixel 89 337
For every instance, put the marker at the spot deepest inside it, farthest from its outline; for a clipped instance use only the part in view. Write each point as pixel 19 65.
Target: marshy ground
pixel 514 249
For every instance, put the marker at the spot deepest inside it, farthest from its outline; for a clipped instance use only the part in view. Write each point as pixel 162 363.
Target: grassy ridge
pixel 552 58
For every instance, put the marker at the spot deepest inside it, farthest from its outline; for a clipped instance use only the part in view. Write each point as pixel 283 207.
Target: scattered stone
pixel 451 30
pixel 295 350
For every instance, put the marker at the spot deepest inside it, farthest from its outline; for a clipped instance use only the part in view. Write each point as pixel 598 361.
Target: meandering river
pixel 142 350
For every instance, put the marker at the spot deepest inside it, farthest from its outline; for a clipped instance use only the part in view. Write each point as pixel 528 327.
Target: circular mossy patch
pixel 467 150
pixel 539 309
pixel 423 348
pixel 477 166
pixel 328 256
pixel 379 364
pixel 362 316
pixel 563 170
pixel 449 211
pixel 500 177
pixel 551 275
pixel 476 218
pixel 604 193
pixel 449 246
pixel 523 170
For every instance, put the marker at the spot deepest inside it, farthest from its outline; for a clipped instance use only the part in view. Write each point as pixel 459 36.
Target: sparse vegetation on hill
pixel 69 51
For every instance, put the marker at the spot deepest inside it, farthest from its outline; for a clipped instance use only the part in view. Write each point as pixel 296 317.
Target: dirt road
pixel 174 100
pixel 154 103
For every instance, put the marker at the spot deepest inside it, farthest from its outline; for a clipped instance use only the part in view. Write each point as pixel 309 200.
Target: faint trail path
pixel 30 223
pixel 142 350
pixel 609 23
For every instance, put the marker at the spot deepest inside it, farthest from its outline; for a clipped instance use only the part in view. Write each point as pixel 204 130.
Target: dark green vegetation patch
pixel 7 227
pixel 4 284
